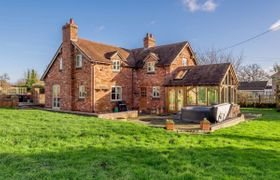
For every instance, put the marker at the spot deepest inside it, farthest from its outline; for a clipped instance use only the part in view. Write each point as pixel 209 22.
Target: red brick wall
pixel 61 78
pixel 98 80
pixel 161 75
pixel 148 80
pixel 104 79
pixel 82 76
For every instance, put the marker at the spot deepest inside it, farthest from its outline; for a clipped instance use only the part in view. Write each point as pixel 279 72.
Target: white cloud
pixel 209 6
pixel 100 28
pixel 194 5
pixel 275 26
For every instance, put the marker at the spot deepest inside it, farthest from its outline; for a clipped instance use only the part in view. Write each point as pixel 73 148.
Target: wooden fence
pixel 257 101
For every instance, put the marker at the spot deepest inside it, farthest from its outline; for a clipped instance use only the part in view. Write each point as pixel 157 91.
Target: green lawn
pixel 44 145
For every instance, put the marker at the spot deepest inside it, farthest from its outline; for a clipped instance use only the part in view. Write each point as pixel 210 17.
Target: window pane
pixel 212 96
pixel 172 100
pixel 192 97
pixel 201 95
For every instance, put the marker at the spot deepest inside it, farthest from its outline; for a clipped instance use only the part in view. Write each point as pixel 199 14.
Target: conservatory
pixel 202 85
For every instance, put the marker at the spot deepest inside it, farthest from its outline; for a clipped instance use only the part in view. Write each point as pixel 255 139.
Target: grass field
pixel 44 145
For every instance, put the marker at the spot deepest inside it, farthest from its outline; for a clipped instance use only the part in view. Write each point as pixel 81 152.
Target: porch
pixel 201 86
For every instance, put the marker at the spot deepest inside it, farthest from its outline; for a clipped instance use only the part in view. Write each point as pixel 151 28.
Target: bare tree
pixel 4 77
pixel 276 67
pixel 252 72
pixel 213 56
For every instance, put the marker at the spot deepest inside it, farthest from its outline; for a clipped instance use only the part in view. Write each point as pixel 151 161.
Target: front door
pixel 143 99
pixel 56 97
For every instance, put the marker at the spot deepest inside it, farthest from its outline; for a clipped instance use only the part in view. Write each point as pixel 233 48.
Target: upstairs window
pixel 155 92
pixel 116 65
pixel 79 61
pixel 82 92
pixel 184 62
pixel 60 64
pixel 151 67
pixel 116 94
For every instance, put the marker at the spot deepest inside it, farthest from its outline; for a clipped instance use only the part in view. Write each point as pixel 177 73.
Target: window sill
pixel 151 72
pixel 116 100
pixel 78 67
pixel 155 98
pixel 116 71
pixel 81 99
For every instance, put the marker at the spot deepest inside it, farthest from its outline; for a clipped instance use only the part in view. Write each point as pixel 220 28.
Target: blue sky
pixel 30 31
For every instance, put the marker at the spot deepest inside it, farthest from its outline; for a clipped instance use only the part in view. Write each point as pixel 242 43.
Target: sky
pixel 30 30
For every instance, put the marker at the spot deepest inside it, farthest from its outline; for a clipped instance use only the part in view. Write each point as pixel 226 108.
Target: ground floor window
pixel 82 92
pixel 155 92
pixel 143 91
pixel 56 96
pixel 116 94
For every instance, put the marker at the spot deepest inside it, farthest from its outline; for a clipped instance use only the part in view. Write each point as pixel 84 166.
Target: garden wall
pixel 119 115
pixel 8 101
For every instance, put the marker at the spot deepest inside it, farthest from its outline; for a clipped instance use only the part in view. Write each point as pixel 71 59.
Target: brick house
pixel 89 76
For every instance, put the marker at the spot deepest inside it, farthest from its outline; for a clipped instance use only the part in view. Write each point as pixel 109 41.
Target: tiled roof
pixel 165 53
pixel 102 52
pixel 201 75
pixel 252 85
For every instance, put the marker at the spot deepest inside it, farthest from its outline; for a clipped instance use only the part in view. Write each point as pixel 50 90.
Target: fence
pixel 257 101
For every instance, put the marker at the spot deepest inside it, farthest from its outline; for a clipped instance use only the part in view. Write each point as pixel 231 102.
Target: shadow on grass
pixel 245 138
pixel 143 163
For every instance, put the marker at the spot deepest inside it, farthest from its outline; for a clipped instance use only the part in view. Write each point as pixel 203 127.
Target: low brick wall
pixel 119 115
pixel 8 101
pixel 228 123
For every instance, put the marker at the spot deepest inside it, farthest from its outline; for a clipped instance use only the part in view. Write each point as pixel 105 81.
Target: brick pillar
pixel 70 34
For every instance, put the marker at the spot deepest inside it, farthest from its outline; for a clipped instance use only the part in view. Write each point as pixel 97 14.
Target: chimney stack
pixel 70 31
pixel 149 41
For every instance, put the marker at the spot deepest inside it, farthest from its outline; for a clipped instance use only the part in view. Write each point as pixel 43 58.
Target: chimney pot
pixel 72 21
pixel 149 41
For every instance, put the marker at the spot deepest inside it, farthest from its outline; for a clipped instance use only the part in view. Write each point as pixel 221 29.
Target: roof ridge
pixel 163 45
pixel 114 46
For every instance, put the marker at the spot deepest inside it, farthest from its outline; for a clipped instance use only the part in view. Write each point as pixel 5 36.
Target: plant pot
pixel 205 126
pixel 170 126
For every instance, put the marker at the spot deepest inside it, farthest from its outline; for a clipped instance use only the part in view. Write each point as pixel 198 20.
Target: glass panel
pixel 201 99
pixel 226 95
pixel 192 97
pixel 172 100
pixel 180 99
pixel 212 96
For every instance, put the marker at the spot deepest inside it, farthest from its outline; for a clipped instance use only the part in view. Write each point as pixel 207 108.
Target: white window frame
pixel 156 92
pixel 116 65
pixel 60 64
pixel 184 61
pixel 82 92
pixel 79 61
pixel 151 67
pixel 118 90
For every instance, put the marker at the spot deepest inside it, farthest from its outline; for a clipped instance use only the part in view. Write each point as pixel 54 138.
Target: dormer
pixel 117 61
pixel 150 62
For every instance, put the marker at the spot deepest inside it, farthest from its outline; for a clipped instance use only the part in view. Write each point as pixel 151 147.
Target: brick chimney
pixel 70 31
pixel 149 41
